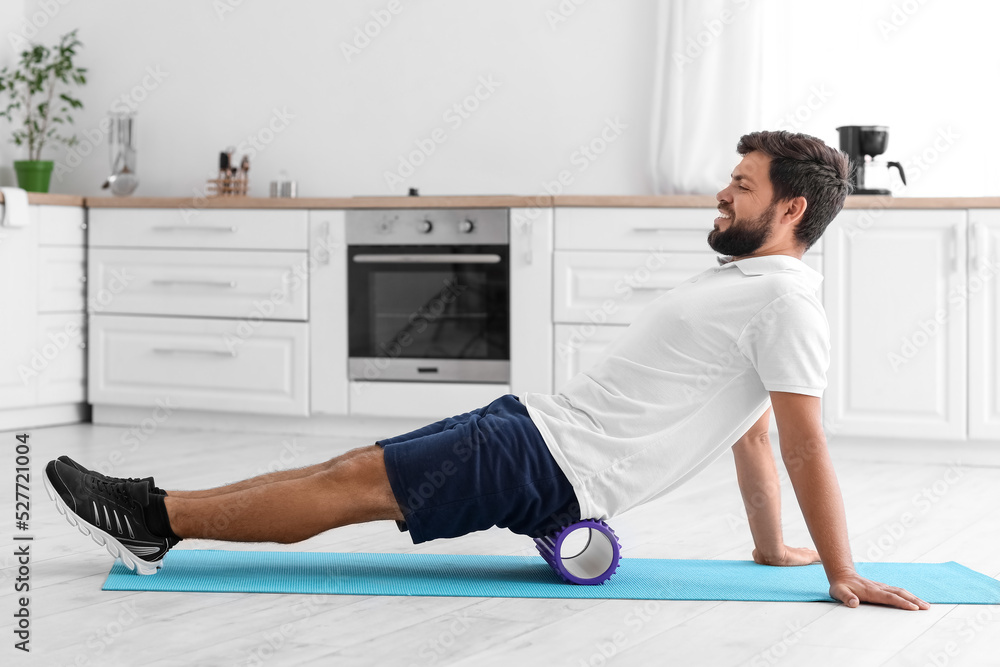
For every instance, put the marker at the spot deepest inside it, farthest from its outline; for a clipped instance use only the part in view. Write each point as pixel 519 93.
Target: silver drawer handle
pixel 428 259
pixel 188 350
pixel 193 228
pixel 654 230
pixel 206 283
pixel 650 288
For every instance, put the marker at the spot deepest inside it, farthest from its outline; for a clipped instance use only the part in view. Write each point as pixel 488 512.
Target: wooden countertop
pixel 46 199
pixel 709 201
pixel 487 201
pixel 482 201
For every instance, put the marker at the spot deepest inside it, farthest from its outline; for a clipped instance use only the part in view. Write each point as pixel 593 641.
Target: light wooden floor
pixel 75 623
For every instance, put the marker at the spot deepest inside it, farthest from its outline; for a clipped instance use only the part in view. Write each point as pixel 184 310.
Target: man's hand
pixel 789 556
pixel 852 590
pixel 805 454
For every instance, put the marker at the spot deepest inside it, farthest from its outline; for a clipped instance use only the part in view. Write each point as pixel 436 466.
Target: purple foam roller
pixel 586 552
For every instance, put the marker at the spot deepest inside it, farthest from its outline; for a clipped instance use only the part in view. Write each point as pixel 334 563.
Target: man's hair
pixel 803 166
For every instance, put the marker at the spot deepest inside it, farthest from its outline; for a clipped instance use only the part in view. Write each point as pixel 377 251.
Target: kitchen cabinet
pixel 898 325
pixel 531 282
pixel 236 285
pixel 612 287
pixel 199 364
pixel 202 283
pixel 223 229
pixel 984 324
pixel 42 365
pixel 327 306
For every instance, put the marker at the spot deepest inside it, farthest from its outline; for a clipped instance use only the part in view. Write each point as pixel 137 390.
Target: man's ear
pixel 792 210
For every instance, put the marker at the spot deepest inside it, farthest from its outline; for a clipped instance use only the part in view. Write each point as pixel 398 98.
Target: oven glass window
pixel 429 310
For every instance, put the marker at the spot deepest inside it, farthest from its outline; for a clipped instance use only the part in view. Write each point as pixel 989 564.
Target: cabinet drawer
pixel 684 229
pixel 189 228
pixel 61 225
pixel 209 283
pixel 672 229
pixel 62 275
pixel 612 287
pixel 580 346
pixel 200 364
pixel 62 354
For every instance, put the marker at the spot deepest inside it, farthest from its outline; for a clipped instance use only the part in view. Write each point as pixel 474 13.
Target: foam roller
pixel 586 552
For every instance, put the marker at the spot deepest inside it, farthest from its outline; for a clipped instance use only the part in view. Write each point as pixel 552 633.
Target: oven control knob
pixel 425 227
pixel 466 226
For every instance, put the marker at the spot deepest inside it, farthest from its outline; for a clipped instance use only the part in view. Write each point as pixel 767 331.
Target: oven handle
pixel 472 258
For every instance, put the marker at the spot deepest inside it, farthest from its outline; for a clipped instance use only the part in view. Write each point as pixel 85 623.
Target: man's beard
pixel 744 237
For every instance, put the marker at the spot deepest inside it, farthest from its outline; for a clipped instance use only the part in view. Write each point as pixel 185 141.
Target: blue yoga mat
pixel 217 571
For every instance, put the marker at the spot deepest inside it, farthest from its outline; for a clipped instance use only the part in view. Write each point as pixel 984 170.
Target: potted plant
pixel 34 104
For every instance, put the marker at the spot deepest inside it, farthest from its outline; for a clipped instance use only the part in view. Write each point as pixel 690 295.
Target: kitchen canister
pixel 284 187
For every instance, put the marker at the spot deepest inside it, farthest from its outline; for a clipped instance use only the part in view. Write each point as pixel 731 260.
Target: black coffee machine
pixel 859 141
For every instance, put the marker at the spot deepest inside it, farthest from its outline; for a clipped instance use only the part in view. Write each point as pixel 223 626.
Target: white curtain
pixel 707 90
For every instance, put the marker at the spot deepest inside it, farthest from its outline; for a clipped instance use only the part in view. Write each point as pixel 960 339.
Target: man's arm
pixel 761 490
pixel 804 452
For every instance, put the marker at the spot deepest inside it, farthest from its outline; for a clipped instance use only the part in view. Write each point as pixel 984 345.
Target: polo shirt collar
pixel 759 266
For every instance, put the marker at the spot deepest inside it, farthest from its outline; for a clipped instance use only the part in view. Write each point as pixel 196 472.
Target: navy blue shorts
pixel 489 467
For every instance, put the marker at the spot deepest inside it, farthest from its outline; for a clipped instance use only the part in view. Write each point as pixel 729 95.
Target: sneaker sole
pixel 113 546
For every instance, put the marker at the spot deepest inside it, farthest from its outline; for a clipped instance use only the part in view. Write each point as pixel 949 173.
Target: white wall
pixel 352 120
pixel 223 73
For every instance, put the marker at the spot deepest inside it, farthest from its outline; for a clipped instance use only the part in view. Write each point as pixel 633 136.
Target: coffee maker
pixel 862 143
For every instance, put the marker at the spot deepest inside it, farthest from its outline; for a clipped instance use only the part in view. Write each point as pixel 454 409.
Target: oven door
pixel 429 313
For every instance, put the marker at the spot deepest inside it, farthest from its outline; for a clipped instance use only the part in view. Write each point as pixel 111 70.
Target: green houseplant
pixel 42 115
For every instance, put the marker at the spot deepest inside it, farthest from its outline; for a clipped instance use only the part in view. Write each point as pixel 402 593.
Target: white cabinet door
pixel 984 325
pixel 580 346
pixel 199 363
pixel 613 287
pixel 62 276
pixel 327 313
pixel 250 285
pixel 62 225
pixel 18 311
pixel 898 358
pixel 531 300
pixel 62 350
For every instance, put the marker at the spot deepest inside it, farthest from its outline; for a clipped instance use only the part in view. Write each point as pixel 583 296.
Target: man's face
pixel 746 212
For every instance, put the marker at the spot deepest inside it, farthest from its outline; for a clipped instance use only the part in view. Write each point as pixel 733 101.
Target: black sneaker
pixel 110 512
pixel 152 486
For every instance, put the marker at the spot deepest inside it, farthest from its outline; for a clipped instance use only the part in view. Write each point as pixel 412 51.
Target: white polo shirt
pixel 685 381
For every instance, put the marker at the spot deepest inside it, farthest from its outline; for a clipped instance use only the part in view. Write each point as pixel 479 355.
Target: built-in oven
pixel 428 295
